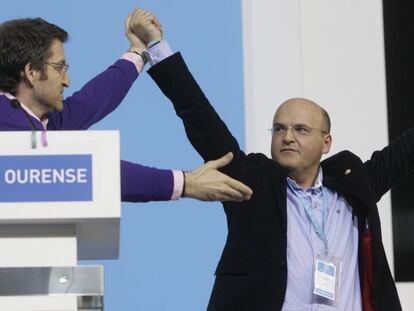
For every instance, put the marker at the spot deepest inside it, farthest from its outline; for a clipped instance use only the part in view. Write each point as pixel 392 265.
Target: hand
pixel 145 26
pixel 136 43
pixel 208 184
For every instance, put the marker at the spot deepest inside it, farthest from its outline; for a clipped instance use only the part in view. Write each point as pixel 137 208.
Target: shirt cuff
pixel 178 184
pixel 158 52
pixel 135 59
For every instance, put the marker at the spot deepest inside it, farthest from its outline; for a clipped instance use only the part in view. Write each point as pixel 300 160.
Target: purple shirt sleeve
pixel 94 101
pixel 142 184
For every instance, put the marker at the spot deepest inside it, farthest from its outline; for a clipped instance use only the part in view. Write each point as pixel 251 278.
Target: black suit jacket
pixel 252 271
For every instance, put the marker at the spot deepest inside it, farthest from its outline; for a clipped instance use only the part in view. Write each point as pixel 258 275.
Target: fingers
pixel 143 15
pixel 158 25
pixel 127 21
pixel 223 161
pixel 207 183
pixel 241 188
pixel 146 26
pixel 227 188
pixel 228 194
pixel 136 43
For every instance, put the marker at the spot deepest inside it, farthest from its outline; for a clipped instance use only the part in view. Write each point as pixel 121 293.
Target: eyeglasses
pixel 61 67
pixel 299 130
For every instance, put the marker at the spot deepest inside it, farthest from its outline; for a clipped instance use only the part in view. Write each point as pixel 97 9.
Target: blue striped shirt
pixel 303 244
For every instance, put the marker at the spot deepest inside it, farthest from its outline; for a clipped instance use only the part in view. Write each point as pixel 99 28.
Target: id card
pixel 326 280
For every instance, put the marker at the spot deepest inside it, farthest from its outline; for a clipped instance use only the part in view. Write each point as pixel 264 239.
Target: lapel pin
pixel 348 171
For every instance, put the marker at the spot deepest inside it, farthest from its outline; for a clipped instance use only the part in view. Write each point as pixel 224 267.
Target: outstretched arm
pixel 142 184
pixel 208 184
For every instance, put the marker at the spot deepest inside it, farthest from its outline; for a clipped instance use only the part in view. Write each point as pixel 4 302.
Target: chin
pixel 287 162
pixel 289 167
pixel 57 107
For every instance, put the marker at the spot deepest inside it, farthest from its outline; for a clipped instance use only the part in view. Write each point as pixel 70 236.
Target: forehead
pixel 299 112
pixel 56 51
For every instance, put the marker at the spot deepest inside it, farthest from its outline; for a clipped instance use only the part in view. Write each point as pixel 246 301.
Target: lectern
pixel 59 202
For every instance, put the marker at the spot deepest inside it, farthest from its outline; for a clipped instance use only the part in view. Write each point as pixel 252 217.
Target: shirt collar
pixel 316 187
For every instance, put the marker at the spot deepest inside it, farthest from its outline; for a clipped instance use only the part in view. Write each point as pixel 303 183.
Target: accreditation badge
pixel 326 280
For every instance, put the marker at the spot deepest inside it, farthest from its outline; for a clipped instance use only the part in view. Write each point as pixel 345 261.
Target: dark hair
pixel 24 41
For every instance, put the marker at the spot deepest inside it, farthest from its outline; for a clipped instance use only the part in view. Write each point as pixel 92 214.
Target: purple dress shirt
pixel 94 101
pixel 304 244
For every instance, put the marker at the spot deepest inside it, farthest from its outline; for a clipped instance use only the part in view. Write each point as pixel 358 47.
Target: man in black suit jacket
pixel 257 270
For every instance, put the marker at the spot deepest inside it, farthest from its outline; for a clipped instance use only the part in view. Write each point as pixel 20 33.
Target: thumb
pixel 223 161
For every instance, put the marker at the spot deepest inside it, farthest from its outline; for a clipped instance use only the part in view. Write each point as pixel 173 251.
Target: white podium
pixel 59 202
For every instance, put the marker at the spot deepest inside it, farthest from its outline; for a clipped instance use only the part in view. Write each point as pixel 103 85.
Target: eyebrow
pixel 62 61
pixel 297 124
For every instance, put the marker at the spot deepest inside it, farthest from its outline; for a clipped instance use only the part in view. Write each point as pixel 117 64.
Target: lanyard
pixel 320 230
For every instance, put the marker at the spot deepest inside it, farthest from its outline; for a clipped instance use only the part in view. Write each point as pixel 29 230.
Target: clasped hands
pixel 142 28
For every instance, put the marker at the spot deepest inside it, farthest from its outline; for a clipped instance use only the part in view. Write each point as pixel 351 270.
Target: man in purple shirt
pixel 310 237
pixel 33 76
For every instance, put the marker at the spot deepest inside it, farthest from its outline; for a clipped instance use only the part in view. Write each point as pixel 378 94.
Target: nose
pixel 66 80
pixel 289 135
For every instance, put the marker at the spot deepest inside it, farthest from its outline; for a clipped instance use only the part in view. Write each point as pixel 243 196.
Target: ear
pixel 28 74
pixel 327 141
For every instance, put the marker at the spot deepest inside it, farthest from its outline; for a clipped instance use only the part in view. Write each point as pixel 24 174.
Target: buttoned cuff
pixel 158 52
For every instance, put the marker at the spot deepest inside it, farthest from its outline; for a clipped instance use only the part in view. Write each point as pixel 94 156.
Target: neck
pixel 305 179
pixel 37 109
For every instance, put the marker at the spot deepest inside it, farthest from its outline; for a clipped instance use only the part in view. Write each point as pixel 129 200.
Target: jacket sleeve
pixel 99 97
pixel 142 184
pixel 207 133
pixel 389 165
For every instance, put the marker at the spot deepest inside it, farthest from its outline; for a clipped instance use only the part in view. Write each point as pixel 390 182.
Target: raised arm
pixel 205 130
pixel 101 95
pixel 205 183
pixel 388 166
pixel 142 184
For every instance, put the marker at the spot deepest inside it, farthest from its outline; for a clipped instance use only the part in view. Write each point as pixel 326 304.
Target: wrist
pixel 154 42
pixel 136 58
pixel 183 190
pixel 187 184
pixel 137 50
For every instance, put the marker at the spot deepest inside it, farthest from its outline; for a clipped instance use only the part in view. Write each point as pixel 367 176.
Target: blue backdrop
pixel 169 250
